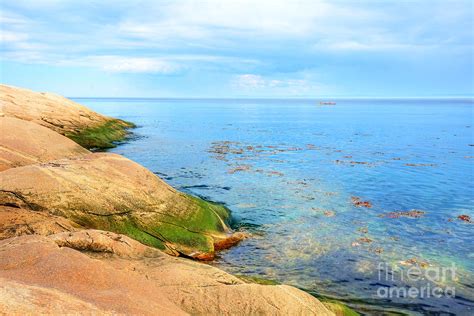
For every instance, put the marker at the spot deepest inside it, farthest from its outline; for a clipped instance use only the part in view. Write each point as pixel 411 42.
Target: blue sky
pixel 239 48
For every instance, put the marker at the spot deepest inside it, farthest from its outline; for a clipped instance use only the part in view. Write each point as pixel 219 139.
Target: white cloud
pixel 219 20
pixel 136 65
pixel 249 81
pixel 123 64
pixel 256 84
pixel 169 36
pixel 8 36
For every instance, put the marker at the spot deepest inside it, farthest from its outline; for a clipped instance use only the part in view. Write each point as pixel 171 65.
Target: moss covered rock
pixel 64 116
pixel 109 192
pixel 102 136
pixel 338 308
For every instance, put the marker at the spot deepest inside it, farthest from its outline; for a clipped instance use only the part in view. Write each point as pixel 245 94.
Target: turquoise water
pixel 289 169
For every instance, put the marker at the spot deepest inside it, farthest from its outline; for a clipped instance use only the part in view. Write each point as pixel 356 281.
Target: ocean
pixel 355 201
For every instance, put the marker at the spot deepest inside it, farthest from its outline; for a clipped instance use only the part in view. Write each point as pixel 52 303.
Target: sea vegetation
pixel 194 236
pixel 102 136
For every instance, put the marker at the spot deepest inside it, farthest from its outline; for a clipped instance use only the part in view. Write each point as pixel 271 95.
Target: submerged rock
pixel 24 143
pixel 107 191
pixel 102 272
pixel 66 117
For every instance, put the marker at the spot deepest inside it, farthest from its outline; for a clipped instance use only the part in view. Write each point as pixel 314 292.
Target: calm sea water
pixel 289 171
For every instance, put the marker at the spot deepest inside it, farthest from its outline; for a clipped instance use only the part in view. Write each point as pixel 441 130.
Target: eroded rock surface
pixel 107 191
pixel 16 222
pixel 24 143
pixel 115 274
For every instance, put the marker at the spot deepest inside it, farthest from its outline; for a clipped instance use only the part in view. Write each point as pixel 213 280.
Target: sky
pixel 245 48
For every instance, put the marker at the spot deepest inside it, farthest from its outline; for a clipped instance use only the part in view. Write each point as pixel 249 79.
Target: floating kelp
pixel 359 203
pixel 239 168
pixel 329 213
pixel 353 163
pixel 465 218
pixel 411 214
pixel 420 164
pixel 414 262
pixel 366 240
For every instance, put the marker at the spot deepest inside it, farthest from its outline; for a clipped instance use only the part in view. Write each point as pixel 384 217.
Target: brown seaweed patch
pixel 359 203
pixel 328 213
pixel 353 162
pixel 239 169
pixel 363 230
pixel 365 240
pixel 420 164
pixel 411 214
pixel 465 218
pixel 230 241
pixel 414 262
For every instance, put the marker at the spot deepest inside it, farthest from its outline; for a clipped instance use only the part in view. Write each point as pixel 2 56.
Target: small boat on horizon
pixel 327 103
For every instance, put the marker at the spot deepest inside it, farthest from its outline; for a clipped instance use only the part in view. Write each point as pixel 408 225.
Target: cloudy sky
pixel 254 48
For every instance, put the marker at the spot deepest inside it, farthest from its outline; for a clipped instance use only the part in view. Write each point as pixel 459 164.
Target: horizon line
pixel 284 98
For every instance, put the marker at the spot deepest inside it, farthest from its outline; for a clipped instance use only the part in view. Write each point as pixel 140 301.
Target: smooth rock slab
pixel 47 109
pixel 25 143
pixel 64 116
pixel 117 274
pixel 109 192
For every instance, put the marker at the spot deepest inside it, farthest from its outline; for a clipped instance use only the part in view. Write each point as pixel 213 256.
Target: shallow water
pixel 288 170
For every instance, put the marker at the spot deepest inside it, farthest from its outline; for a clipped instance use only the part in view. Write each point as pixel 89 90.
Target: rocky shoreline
pixel 93 232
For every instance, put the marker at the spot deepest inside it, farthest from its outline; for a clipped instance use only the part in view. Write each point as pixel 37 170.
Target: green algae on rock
pixel 109 192
pixel 257 280
pixel 102 136
pixel 338 308
pixel 64 116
